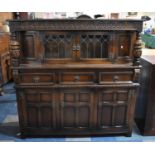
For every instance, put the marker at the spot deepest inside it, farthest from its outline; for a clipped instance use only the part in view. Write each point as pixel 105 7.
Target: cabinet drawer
pixel 77 77
pixel 37 78
pixel 115 77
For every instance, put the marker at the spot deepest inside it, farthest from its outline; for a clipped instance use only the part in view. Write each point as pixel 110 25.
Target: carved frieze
pixel 67 24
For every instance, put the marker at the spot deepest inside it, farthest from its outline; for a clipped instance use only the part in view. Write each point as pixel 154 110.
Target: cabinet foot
pixel 20 135
pixel 129 134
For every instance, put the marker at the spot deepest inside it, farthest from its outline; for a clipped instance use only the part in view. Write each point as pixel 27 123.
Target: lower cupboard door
pixel 115 107
pixel 37 108
pixel 76 108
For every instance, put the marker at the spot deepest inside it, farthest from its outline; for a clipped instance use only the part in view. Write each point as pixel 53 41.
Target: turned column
pixel 137 51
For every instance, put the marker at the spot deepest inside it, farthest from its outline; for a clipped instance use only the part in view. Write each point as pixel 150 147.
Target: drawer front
pixel 77 78
pixel 37 78
pixel 115 77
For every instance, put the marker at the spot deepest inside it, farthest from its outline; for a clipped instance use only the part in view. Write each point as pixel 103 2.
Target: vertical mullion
pixel 94 43
pixel 53 110
pixel 62 106
pixel 127 106
pixel 101 51
pixel 64 43
pixel 58 41
pixel 87 46
pixel 113 108
pixel 39 112
pixel 103 48
pixel 77 110
pixel 91 110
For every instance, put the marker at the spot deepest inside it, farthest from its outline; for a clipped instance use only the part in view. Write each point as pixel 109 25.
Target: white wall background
pixel 90 13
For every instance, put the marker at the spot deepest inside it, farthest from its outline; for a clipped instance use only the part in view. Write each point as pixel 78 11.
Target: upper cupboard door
pixel 94 45
pixel 124 43
pixel 30 45
pixel 57 45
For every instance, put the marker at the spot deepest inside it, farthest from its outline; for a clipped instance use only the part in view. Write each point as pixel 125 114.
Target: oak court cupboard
pixel 75 76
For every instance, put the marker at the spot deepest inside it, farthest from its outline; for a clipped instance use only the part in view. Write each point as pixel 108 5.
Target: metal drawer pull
pixel 36 79
pixel 74 47
pixel 78 47
pixel 115 78
pixel 76 78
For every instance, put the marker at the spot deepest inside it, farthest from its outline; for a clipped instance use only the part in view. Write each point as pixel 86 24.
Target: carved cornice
pixel 32 25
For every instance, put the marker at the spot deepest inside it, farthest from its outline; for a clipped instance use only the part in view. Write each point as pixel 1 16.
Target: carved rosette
pixel 137 52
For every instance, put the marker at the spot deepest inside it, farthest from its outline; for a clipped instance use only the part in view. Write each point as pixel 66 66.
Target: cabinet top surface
pixel 43 20
pixel 149 58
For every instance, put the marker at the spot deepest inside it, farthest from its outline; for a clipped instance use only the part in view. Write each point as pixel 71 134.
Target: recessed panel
pixel 105 116
pixel 32 97
pixel 84 116
pixel 84 97
pixel 69 116
pixel 46 117
pixel 120 115
pixel 32 116
pixel 69 97
pixel 122 96
pixel 107 96
pixel 29 45
pixel 46 97
pixel 124 45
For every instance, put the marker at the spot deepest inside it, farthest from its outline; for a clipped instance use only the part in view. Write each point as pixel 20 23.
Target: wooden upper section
pixel 63 41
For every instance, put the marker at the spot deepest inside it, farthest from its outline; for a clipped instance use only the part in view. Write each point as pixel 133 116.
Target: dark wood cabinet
pixel 145 107
pixel 76 77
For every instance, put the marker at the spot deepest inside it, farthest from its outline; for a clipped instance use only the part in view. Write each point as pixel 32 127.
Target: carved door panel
pixel 76 108
pixel 48 45
pixel 29 45
pixel 58 45
pixel 114 107
pixel 124 44
pixel 39 110
pixel 93 45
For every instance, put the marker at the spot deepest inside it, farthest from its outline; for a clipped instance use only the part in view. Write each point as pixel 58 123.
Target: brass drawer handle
pixel 78 47
pixel 36 79
pixel 115 78
pixel 77 78
pixel 74 47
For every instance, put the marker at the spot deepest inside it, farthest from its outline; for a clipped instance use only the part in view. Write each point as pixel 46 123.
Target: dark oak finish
pixel 76 77
pixel 145 109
